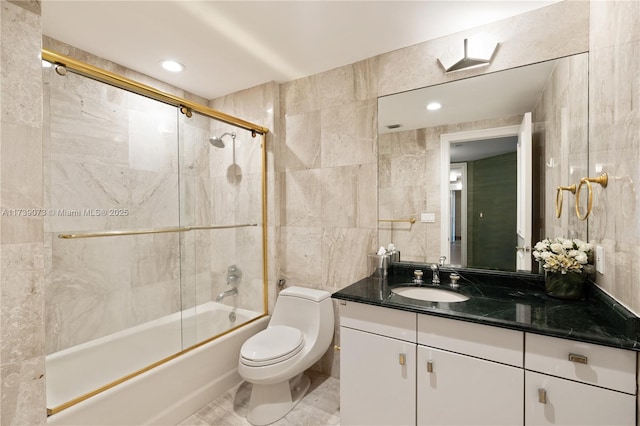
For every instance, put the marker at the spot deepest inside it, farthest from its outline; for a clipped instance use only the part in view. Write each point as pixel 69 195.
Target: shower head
pixel 217 140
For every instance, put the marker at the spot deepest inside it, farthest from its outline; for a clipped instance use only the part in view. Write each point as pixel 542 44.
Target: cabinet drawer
pixel 584 362
pixel 374 319
pixel 481 341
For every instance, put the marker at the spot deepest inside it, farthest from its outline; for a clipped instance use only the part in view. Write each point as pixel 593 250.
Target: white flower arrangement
pixel 563 255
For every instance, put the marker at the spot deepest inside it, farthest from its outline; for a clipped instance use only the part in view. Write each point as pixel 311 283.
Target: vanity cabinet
pixel 468 374
pixel 378 366
pixel 577 383
pixel 406 368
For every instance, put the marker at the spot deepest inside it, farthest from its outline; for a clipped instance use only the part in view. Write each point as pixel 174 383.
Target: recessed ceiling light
pixel 171 65
pixel 432 106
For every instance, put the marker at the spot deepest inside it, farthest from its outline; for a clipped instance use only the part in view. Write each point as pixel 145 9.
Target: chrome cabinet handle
pixel 429 366
pixel 542 396
pixel 402 359
pixel 579 359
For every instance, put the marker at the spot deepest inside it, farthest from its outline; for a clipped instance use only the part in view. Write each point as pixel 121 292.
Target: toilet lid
pixel 275 344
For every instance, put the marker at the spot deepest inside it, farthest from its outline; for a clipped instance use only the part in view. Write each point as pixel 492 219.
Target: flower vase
pixel 565 286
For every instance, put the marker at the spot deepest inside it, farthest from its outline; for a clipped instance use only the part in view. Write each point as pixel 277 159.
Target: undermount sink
pixel 429 294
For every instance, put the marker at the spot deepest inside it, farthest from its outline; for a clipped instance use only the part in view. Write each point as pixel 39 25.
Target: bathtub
pixel 164 394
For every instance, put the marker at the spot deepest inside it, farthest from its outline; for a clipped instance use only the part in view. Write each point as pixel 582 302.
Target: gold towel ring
pixel 603 179
pixel 559 197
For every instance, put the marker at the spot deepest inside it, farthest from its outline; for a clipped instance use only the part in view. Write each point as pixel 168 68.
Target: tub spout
pixel 231 292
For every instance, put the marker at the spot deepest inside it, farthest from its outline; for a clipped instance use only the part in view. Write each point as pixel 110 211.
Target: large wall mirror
pixel 475 179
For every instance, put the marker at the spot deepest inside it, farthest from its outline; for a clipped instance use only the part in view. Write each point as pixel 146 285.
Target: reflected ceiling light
pixel 171 65
pixel 434 106
pixel 476 52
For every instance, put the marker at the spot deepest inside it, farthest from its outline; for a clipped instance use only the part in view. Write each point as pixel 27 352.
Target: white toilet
pixel 299 333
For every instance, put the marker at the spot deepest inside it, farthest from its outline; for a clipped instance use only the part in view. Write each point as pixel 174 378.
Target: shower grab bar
pixel 150 231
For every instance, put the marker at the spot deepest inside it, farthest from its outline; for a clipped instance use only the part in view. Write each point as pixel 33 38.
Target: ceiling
pixel 228 46
pixel 500 94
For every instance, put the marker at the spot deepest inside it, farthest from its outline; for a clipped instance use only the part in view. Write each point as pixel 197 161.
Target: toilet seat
pixel 271 346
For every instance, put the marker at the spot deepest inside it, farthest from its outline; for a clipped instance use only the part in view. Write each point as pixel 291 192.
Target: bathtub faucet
pixel 231 292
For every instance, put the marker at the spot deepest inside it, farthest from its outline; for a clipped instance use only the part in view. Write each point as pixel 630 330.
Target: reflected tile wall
pixel 614 144
pixel 560 128
pixel 409 183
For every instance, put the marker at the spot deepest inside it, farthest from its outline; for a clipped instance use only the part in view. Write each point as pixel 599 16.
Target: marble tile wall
pixel 22 337
pixel 614 144
pixel 237 181
pixel 326 169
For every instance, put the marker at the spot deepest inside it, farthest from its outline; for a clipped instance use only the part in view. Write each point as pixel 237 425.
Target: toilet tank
pixel 306 309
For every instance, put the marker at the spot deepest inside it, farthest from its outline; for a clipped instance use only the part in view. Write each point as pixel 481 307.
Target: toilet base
pixel 270 403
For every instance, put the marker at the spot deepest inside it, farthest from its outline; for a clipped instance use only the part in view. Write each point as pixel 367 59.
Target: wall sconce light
pixel 477 52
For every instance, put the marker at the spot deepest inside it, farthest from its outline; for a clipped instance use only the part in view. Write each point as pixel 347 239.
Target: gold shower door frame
pixel 62 64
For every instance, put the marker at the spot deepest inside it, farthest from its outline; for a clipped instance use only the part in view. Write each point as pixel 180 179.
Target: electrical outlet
pixel 427 217
pixel 600 259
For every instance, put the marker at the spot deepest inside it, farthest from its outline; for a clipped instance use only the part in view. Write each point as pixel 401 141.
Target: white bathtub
pixel 165 394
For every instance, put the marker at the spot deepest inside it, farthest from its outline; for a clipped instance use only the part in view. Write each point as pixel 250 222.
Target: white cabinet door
pixel 377 379
pixel 456 389
pixel 554 401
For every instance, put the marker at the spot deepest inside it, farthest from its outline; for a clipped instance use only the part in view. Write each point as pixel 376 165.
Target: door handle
pixel 402 359
pixel 580 359
pixel 542 396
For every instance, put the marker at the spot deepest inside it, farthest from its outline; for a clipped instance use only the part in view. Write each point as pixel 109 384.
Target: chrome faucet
pixel 435 268
pixel 233 291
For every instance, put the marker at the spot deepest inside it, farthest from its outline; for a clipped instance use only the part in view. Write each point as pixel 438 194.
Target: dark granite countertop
pixel 510 300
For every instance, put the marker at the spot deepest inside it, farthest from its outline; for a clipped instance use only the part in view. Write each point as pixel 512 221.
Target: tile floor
pixel 320 406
